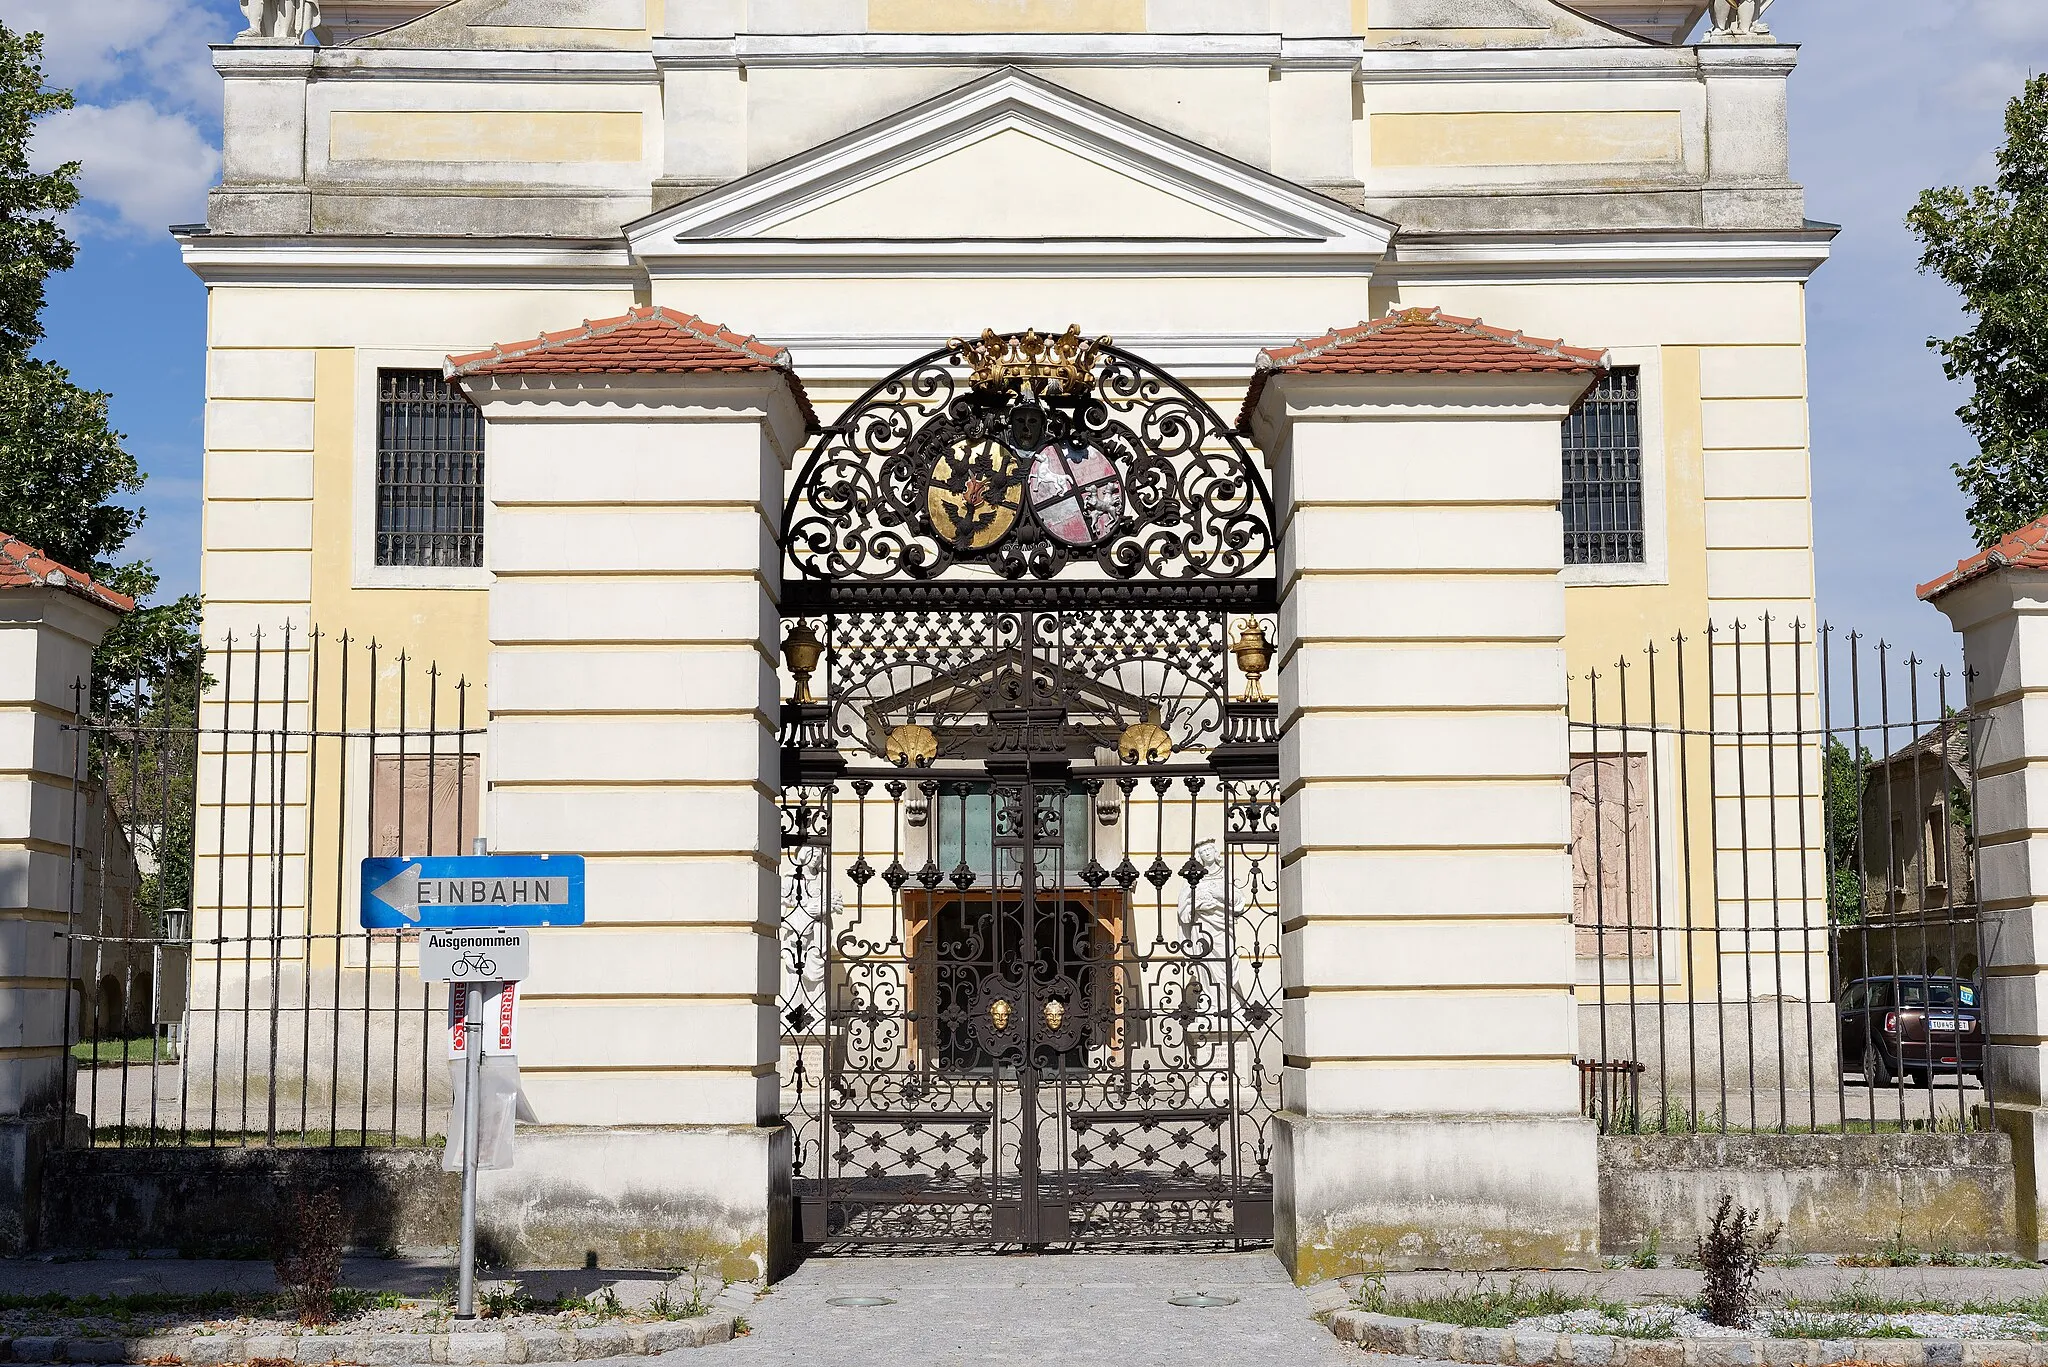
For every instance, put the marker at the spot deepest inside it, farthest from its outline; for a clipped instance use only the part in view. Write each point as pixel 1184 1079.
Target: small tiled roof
pixel 649 340
pixel 22 565
pixel 2025 549
pixel 1419 341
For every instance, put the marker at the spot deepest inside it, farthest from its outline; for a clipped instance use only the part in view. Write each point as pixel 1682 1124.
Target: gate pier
pixel 633 697
pixel 1431 1111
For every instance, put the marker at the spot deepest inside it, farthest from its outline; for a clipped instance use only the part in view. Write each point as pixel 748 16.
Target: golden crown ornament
pixel 1049 365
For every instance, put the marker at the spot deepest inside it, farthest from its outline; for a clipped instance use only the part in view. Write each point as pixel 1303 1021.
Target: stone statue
pixel 1737 20
pixel 279 20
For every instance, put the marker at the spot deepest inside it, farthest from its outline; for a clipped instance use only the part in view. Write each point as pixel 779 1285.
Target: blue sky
pixel 1892 96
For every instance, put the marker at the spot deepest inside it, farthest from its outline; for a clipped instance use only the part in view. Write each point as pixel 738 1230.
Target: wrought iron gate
pixel 1030 917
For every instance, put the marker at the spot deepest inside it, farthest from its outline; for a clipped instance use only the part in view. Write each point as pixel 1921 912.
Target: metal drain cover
pixel 859 1302
pixel 1203 1300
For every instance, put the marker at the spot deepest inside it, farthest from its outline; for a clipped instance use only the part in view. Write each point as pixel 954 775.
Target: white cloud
pixel 151 169
pixel 106 44
pixel 2013 18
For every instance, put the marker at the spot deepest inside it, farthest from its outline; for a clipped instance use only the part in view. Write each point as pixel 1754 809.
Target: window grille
pixel 1603 473
pixel 430 472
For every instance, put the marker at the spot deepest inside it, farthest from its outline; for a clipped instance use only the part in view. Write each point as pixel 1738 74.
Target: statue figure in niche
pixel 1206 907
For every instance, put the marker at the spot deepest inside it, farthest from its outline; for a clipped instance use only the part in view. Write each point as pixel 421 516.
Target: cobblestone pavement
pixel 1049 1309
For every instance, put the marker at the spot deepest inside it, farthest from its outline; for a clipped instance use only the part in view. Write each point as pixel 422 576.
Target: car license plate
pixel 1945 1023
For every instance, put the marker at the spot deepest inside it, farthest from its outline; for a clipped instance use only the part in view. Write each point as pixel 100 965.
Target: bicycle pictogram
pixel 472 965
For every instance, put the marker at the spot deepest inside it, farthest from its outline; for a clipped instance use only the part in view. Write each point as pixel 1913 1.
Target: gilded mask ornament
pixel 999 1012
pixel 1055 1015
pixel 1145 743
pixel 911 746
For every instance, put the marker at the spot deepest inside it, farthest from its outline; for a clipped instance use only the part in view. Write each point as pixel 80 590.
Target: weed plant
pixel 1731 1252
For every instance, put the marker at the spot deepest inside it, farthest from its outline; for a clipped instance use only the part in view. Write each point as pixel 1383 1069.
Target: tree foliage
pixel 1842 786
pixel 1991 243
pixel 63 468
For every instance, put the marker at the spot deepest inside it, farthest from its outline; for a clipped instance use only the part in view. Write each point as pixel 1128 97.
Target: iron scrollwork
pixel 1026 455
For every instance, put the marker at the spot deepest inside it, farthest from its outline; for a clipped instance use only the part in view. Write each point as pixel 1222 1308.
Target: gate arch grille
pixel 1030 920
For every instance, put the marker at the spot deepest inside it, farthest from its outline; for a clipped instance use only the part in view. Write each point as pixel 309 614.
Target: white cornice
pixel 734 227
pixel 1422 66
pixel 467 64
pixel 859 358
pixel 407 261
pixel 1010 49
pixel 1563 258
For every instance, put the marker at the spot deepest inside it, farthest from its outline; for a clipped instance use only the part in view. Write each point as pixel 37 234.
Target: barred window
pixel 430 472
pixel 1603 473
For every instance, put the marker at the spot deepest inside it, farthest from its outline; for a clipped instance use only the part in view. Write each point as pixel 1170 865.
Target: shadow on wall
pixel 226 1202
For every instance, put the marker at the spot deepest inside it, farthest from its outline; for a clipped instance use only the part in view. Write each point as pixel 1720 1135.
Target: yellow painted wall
pixel 446 626
pixel 1544 138
pixel 485 135
pixel 1006 16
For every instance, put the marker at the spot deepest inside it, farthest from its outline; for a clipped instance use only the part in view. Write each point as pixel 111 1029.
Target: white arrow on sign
pixel 402 894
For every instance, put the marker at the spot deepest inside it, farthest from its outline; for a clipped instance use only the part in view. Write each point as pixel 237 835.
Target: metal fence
pixel 1775 878
pixel 1774 856
pixel 220 813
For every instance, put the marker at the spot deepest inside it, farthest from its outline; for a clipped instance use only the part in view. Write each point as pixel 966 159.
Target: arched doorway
pixel 1030 980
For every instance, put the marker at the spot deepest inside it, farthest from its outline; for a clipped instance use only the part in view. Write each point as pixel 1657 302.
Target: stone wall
pixel 1834 1193
pixel 227 1201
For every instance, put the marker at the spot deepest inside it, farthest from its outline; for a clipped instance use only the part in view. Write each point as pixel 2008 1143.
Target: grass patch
pixel 203 1305
pixel 141 1049
pixel 1485 1306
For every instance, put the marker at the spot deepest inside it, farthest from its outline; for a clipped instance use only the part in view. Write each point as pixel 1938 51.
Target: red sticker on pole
pixel 501 1018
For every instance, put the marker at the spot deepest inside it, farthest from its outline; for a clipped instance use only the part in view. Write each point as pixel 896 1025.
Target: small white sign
pixel 474 956
pixel 500 1034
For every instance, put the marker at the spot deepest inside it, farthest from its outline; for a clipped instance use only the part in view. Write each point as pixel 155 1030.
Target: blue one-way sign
pixel 473 890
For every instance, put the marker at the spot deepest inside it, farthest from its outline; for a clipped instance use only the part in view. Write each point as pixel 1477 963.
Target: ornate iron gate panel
pixel 1030 919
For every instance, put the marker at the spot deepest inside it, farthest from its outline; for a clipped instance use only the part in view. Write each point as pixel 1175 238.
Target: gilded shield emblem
pixel 975 494
pixel 1076 493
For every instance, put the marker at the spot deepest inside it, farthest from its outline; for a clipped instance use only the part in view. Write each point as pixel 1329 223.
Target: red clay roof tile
pixel 22 565
pixel 649 340
pixel 1419 341
pixel 2025 549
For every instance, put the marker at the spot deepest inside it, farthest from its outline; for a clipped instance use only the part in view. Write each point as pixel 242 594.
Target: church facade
pixel 1042 785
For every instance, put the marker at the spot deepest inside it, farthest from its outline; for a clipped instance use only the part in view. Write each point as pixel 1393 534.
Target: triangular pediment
pixel 1011 159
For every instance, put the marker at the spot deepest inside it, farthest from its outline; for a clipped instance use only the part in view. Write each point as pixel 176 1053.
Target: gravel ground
pixel 1670 1320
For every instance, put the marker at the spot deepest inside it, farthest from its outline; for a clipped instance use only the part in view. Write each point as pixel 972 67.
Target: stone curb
pixel 477 1348
pixel 1423 1338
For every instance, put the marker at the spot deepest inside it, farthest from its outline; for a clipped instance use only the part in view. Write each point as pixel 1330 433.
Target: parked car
pixel 1912 1027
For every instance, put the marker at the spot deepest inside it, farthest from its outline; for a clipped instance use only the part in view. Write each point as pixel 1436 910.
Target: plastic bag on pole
pixel 500 1103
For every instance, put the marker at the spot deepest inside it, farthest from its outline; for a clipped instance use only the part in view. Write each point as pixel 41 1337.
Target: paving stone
pixel 1438 1341
pixel 1724 1352
pixel 1592 1350
pixel 604 1341
pixel 1943 1352
pixel 1389 1334
pixel 397 1350
pixel 1648 1352
pixel 1486 1345
pixel 151 1349
pixel 2002 1352
pixel 1891 1352
pixel 38 1348
pixel 318 1348
pixel 211 1349
pixel 480 1348
pixel 1533 1348
pixel 94 1350
pixel 697 1332
pixel 544 1345
pixel 1787 1352
pixel 275 1347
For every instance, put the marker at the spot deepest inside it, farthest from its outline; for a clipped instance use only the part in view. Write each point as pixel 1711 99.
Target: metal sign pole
pixel 472 1058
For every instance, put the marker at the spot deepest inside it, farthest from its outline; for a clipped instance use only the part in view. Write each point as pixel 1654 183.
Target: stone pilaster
pixel 47 637
pixel 633 710
pixel 1431 1103
pixel 2002 612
